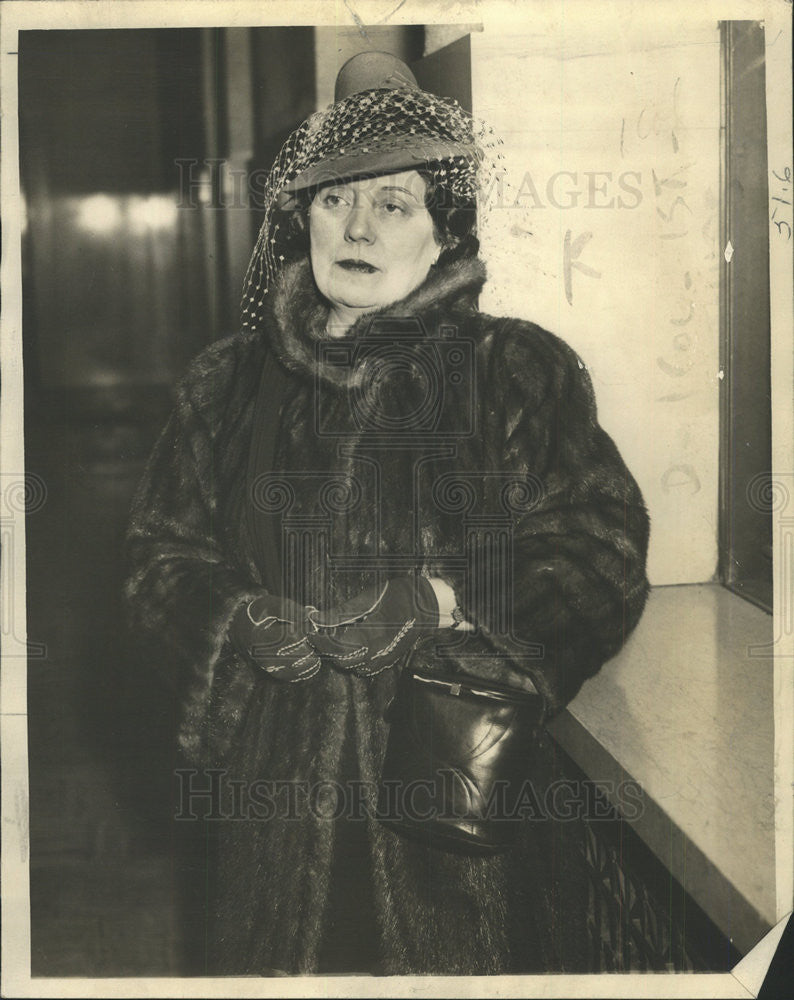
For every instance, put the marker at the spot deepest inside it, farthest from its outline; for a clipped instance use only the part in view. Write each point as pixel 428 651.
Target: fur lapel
pixel 299 313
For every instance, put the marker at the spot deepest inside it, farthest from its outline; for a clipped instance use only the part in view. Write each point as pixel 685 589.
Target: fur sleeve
pixel 580 541
pixel 182 591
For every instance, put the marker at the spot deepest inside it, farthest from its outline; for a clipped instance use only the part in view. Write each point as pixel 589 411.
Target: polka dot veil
pixel 419 128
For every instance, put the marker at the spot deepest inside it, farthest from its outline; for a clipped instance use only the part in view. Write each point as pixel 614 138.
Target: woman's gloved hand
pixel 374 630
pixel 271 633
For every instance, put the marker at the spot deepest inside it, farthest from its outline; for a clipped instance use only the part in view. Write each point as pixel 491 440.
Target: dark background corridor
pixel 130 268
pixel 139 152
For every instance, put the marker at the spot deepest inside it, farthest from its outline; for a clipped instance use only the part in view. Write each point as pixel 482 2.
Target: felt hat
pixel 408 140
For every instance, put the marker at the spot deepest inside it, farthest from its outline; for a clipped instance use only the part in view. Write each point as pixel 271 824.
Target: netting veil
pixel 409 127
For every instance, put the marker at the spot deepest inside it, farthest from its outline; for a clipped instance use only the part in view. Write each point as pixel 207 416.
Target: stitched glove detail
pixel 270 632
pixel 375 630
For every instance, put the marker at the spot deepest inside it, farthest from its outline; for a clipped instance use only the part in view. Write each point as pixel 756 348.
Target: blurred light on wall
pixel 105 215
pixel 205 187
pixel 99 214
pixel 119 270
pixel 152 214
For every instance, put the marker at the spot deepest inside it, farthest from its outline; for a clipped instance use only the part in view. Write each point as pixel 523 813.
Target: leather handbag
pixel 456 757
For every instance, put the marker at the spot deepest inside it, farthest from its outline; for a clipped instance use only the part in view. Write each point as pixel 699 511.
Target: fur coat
pixel 480 436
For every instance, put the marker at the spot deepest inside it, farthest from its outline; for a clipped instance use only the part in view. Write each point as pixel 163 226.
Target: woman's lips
pixel 358 266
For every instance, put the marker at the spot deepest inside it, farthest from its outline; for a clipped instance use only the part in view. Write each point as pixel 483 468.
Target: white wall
pixel 631 111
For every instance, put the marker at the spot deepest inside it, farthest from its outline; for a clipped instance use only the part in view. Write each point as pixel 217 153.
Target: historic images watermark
pixel 215 183
pixel 212 794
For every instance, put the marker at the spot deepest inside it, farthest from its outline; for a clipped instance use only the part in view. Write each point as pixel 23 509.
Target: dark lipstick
pixel 357 265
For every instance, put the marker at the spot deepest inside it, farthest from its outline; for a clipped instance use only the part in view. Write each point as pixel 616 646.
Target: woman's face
pixel 372 241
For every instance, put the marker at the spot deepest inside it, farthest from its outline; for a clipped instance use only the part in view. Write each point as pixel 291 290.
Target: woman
pixel 324 503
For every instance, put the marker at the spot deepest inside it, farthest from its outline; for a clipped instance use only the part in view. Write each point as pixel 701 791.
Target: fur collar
pixel 299 314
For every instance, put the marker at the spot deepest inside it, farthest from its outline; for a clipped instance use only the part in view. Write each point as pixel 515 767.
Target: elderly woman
pixel 374 472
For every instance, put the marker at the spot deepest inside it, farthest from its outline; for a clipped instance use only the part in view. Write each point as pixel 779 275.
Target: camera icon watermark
pixel 404 384
pixel 21 495
pixel 773 494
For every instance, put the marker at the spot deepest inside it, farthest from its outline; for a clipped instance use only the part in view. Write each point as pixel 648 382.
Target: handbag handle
pixel 457 684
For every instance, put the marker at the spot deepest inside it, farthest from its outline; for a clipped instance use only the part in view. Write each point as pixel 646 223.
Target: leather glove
pixel 271 633
pixel 374 630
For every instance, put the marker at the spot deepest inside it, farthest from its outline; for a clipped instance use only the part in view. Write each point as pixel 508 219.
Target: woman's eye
pixel 392 208
pixel 332 200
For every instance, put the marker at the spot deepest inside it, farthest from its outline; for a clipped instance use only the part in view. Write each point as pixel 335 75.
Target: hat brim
pixel 401 153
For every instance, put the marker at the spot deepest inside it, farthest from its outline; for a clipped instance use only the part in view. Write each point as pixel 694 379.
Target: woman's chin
pixel 354 299
pixel 357 291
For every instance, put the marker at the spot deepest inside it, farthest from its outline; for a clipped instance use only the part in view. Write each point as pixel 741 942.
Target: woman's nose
pixel 359 228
